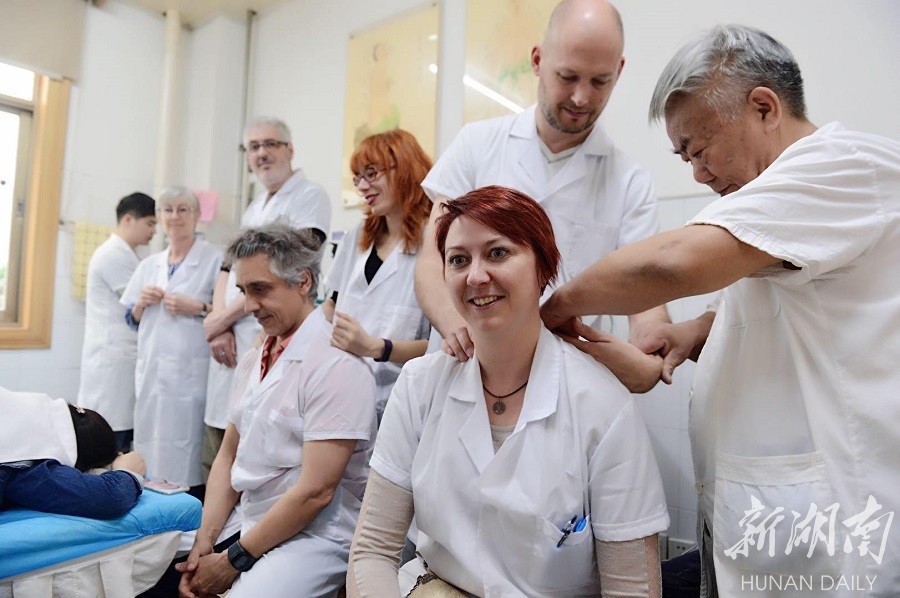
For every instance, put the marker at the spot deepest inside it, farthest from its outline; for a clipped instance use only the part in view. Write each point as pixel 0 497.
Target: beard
pixel 554 120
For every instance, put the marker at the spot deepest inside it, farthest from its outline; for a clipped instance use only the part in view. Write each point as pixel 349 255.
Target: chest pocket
pixel 582 242
pixel 569 566
pixel 401 322
pixel 282 439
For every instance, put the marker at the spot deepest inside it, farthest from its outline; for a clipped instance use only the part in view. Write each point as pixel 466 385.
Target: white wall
pixel 110 152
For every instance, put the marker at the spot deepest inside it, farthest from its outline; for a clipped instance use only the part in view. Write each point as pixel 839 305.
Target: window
pixel 32 138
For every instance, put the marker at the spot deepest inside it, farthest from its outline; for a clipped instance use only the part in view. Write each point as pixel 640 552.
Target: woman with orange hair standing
pixel 377 315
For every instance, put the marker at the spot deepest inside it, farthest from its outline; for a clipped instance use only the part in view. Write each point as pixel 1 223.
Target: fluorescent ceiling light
pixel 485 91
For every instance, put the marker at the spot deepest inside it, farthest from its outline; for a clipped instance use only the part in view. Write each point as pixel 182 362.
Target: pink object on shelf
pixel 208 202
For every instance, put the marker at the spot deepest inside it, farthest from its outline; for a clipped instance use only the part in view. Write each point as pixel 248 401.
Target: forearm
pixel 220 496
pixel 629 568
pixel 287 517
pixel 645 318
pixel 55 488
pixel 384 519
pixel 403 351
pixel 689 261
pixel 699 329
pixel 433 295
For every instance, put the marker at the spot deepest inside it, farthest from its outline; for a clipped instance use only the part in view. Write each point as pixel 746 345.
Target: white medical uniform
pixel 489 523
pixel 110 347
pixel 599 201
pixel 796 399
pixel 386 308
pixel 313 392
pixel 172 363
pixel 300 203
pixel 35 426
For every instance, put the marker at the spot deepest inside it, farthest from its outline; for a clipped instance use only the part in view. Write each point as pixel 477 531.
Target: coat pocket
pixel 776 515
pixel 571 565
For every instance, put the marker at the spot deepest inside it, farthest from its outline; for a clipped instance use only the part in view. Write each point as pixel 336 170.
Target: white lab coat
pixel 35 426
pixel 599 201
pixel 172 364
pixel 300 203
pixel 387 307
pixel 110 347
pixel 488 523
pixel 313 392
pixel 795 400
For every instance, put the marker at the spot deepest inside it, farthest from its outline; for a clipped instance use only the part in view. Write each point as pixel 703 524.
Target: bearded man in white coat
pixel 109 352
pixel 297 446
pixel 794 407
pixel 287 196
pixel 597 198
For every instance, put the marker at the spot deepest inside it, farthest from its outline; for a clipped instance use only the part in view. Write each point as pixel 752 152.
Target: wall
pixel 110 152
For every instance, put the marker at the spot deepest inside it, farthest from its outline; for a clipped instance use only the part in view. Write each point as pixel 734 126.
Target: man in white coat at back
pixel 597 198
pixel 110 346
pixel 288 196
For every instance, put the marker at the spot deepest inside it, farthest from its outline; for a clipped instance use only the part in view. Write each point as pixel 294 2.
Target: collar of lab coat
pixel 303 337
pixel 295 179
pixel 193 255
pixel 541 394
pixel 121 243
pixel 597 143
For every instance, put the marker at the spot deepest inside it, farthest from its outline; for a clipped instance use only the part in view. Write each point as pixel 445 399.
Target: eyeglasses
pixel 370 173
pixel 270 145
pixel 180 210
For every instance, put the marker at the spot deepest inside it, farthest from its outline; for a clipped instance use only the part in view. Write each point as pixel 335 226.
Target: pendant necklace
pixel 498 407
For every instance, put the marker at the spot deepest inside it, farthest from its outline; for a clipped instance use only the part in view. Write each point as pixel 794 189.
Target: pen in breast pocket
pixel 573 524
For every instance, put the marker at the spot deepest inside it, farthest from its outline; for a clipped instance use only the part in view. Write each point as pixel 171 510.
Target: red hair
pixel 512 214
pixel 406 165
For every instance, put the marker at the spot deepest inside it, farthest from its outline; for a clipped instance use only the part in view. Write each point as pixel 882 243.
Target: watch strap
pixel 239 558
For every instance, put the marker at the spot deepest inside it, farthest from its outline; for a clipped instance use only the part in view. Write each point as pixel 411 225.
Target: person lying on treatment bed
pixel 47 448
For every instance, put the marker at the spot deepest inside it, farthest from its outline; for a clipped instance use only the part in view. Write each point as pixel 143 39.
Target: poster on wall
pixel 499 38
pixel 391 83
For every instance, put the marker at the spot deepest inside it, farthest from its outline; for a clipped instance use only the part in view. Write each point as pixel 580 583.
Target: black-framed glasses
pixel 269 144
pixel 370 173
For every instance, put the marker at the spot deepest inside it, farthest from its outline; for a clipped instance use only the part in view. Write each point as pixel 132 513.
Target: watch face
pixel 239 559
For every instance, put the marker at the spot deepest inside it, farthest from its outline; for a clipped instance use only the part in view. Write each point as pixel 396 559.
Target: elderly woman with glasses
pixel 377 314
pixel 166 300
pixel 528 467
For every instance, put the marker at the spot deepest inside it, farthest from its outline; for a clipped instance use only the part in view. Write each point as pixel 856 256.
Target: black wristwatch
pixel 239 558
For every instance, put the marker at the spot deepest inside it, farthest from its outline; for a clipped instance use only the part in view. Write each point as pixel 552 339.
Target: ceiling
pixel 197 11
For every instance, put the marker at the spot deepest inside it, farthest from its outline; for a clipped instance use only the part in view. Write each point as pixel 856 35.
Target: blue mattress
pixel 30 540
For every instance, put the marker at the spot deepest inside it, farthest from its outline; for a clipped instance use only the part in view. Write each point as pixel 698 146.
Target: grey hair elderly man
pixel 287 196
pixel 795 403
pixel 297 446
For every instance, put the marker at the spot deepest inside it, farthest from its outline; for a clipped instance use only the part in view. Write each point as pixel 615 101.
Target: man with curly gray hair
pixel 794 406
pixel 297 446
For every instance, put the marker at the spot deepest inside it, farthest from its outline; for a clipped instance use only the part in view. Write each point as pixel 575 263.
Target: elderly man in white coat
pixel 110 347
pixel 795 402
pixel 287 196
pixel 556 152
pixel 297 446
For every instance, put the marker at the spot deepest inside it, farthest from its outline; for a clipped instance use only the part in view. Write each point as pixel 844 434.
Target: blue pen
pixel 567 530
pixel 581 523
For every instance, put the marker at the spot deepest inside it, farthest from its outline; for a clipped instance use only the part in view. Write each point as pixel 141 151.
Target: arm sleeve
pixel 55 488
pixel 400 431
pixel 629 568
pixel 340 402
pixel 626 493
pixel 133 289
pixel 819 216
pixel 453 174
pixel 116 273
pixel 311 208
pixel 340 267
pixel 641 216
pixel 384 518
pixel 129 318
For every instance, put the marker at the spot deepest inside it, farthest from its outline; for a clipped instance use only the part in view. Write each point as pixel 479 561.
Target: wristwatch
pixel 203 311
pixel 239 558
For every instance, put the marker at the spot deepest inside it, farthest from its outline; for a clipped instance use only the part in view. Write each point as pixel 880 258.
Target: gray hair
pixel 261 121
pixel 724 66
pixel 171 194
pixel 293 254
